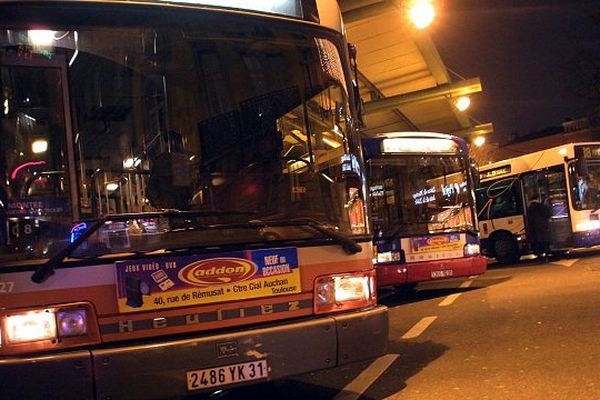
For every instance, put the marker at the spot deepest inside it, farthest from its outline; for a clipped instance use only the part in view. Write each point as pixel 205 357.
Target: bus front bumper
pixel 398 274
pixel 586 238
pixel 158 370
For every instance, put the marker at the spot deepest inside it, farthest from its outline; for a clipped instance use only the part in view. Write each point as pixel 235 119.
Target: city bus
pixel 564 178
pixel 182 198
pixel 422 203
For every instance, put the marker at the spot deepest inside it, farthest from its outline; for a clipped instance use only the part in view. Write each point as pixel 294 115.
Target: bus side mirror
pixel 358 103
pixel 474 168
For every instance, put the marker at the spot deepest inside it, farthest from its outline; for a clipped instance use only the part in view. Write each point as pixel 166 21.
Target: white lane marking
pixel 449 300
pixel 419 328
pixel 452 298
pixel 566 263
pixel 466 284
pixel 362 382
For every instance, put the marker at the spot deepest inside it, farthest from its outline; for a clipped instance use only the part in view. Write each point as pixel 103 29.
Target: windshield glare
pixel 414 195
pixel 223 115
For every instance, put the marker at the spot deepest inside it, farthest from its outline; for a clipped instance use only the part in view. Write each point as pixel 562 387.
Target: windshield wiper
pixel 454 210
pixel 349 245
pixel 46 270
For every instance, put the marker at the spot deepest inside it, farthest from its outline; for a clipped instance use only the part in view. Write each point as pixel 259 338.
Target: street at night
pixel 526 331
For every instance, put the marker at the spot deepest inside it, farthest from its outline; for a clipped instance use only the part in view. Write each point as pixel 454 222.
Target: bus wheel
pixel 506 249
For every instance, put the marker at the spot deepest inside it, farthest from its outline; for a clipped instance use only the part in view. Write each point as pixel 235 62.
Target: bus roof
pixel 324 12
pixel 531 161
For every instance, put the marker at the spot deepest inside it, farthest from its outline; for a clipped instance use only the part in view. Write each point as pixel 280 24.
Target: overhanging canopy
pixel 403 80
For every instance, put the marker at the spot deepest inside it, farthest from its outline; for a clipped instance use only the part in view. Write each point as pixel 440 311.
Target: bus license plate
pixel 227 375
pixel 445 273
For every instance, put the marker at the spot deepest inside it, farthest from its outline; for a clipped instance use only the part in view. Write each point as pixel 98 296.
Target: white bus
pixel 566 178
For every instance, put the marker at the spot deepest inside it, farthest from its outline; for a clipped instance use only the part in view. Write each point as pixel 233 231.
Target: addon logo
pixel 217 271
pixel 437 240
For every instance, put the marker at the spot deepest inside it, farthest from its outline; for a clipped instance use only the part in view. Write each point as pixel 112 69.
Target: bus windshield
pixel 177 110
pixel 585 185
pixel 416 195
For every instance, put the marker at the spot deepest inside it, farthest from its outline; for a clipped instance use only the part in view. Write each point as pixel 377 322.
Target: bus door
pixel 549 187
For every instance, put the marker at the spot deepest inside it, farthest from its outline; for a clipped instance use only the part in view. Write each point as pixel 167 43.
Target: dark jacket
pixel 538 219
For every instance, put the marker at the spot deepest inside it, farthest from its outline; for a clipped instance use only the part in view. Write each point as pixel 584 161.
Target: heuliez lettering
pixel 157 322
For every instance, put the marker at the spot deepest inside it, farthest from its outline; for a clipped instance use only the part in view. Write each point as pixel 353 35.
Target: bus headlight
pixel 587 225
pixel 51 327
pixel 30 326
pixel 471 249
pixel 345 291
pixel 72 322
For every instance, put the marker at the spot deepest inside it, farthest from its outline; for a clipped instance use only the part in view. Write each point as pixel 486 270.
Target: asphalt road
pixel 527 331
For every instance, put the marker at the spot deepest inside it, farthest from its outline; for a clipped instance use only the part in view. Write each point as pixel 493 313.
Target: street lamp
pixel 131 162
pixel 479 141
pixel 111 186
pixel 422 13
pixel 462 103
pixel 39 146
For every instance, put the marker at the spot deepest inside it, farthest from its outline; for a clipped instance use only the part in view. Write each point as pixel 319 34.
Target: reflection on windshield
pixel 219 116
pixel 141 235
pixel 414 195
pixel 169 231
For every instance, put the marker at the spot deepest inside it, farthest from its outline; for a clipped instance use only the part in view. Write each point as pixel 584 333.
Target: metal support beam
pixel 456 89
pixel 432 57
pixel 369 10
pixel 477 130
pixel 369 85
pixel 349 5
pixel 436 66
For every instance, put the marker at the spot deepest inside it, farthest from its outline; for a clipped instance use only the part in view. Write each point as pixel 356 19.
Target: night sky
pixel 534 58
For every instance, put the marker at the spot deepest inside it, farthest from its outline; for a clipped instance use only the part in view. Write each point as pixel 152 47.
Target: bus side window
pixel 498 199
pixel 481 199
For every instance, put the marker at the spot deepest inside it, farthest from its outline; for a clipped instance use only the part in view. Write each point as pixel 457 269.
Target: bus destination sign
pixel 494 172
pixel 588 152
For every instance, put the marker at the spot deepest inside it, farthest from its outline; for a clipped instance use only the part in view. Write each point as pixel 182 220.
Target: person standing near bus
pixel 538 219
pixel 589 199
